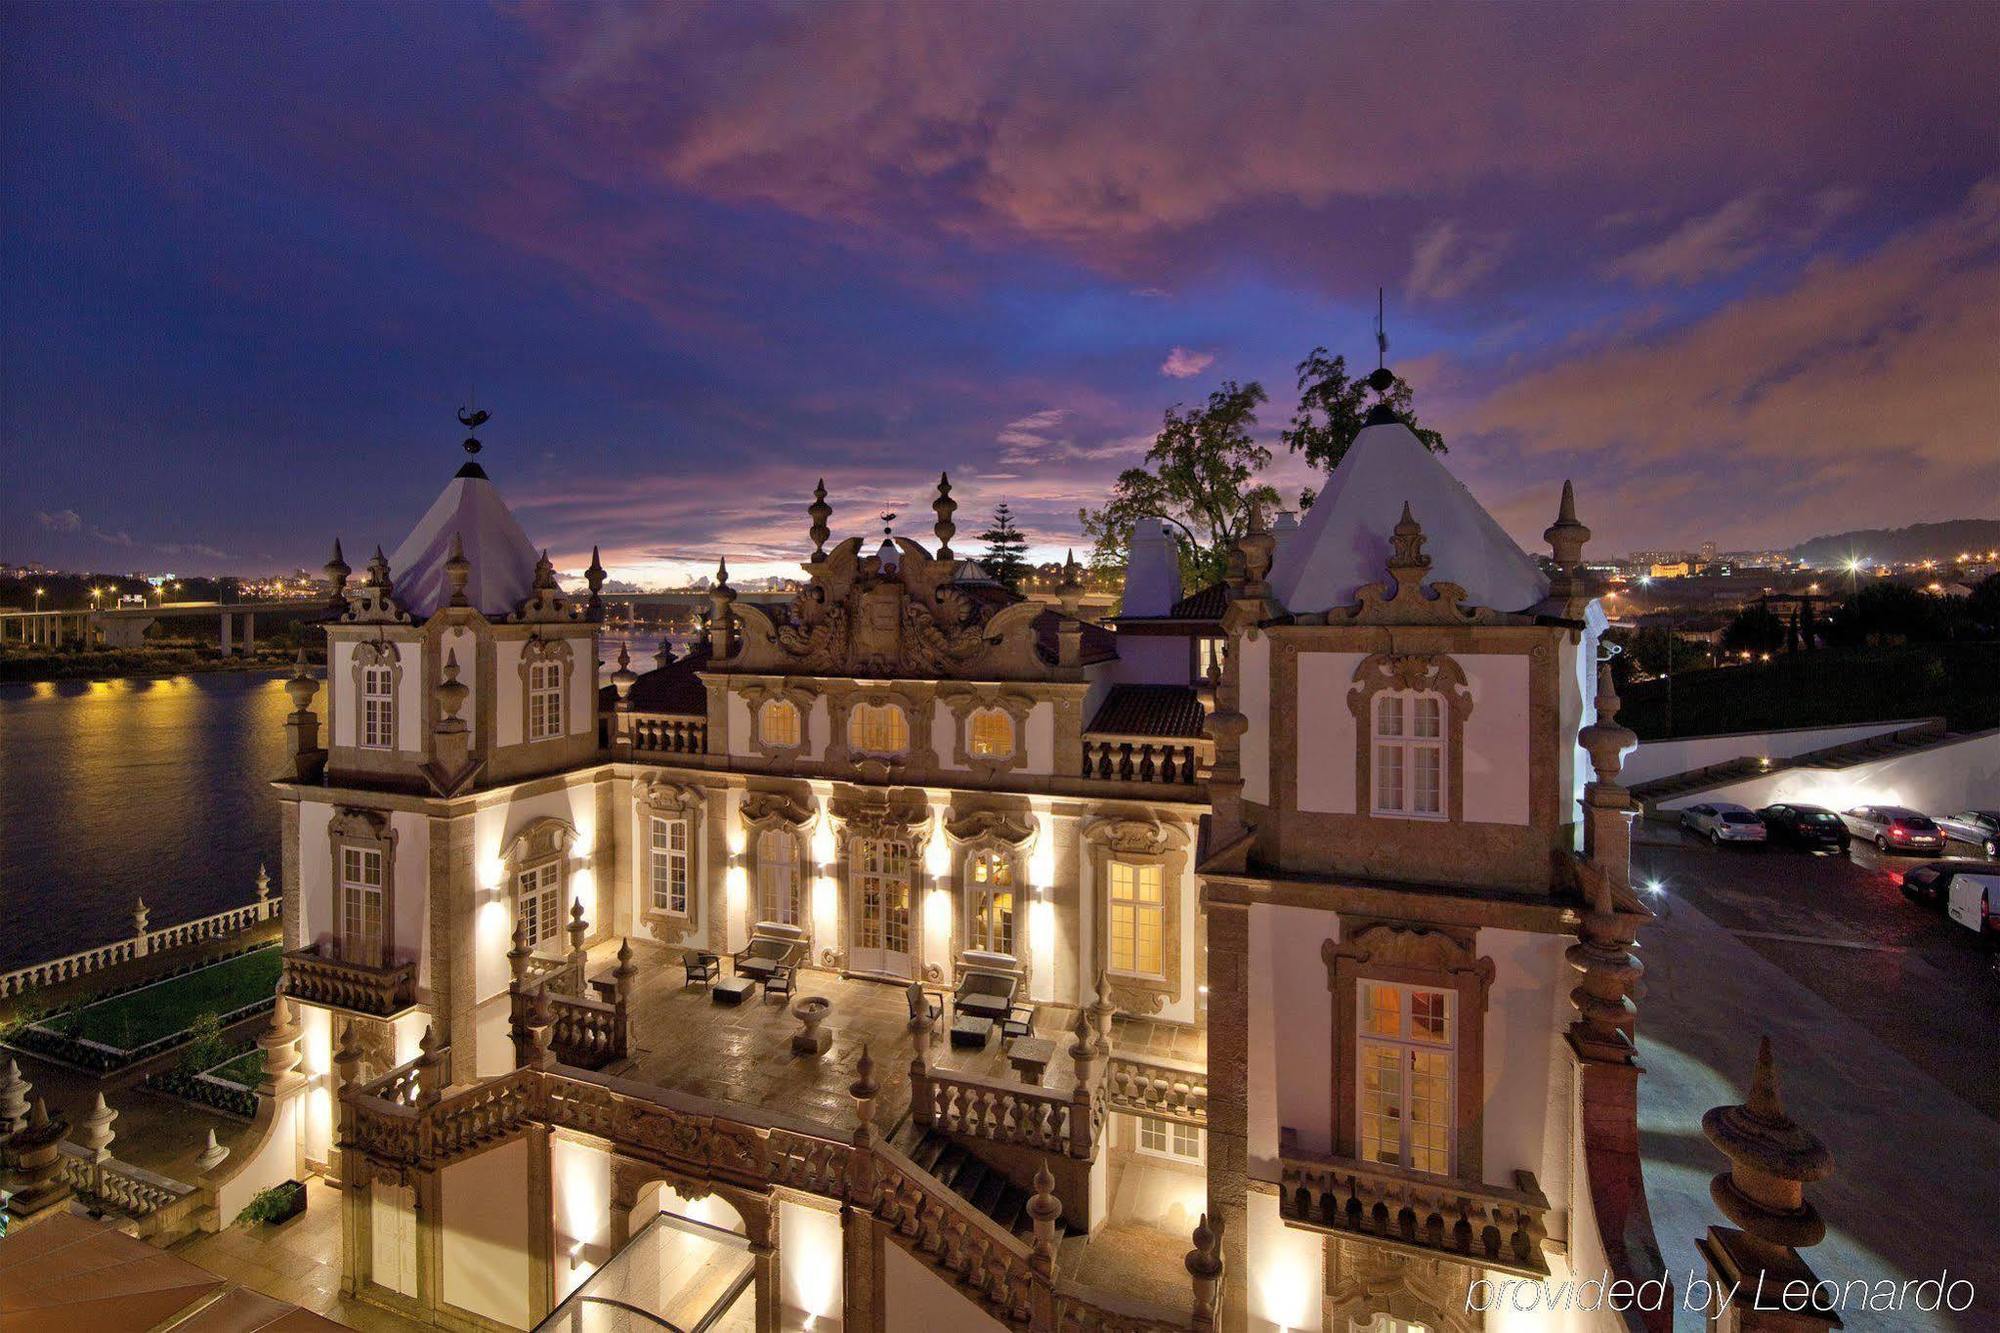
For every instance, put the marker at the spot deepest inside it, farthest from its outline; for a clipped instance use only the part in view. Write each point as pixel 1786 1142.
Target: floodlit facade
pixel 914 954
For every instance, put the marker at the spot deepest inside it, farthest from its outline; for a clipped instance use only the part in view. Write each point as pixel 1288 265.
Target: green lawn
pixel 131 1020
pixel 244 1070
pixel 1827 687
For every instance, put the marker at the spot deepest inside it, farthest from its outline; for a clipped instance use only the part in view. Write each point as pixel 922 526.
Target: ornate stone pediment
pixel 1393 944
pixel 658 793
pixel 1406 599
pixel 1004 826
pixel 1143 836
pixel 762 806
pixel 898 813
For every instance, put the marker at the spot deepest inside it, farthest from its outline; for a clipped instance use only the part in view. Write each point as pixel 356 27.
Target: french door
pixel 880 886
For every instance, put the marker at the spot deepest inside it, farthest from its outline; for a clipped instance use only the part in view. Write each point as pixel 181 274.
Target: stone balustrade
pixel 1158 1086
pixel 982 1108
pixel 1152 759
pixel 559 976
pixel 379 992
pixel 1491 1226
pixel 141 942
pixel 662 733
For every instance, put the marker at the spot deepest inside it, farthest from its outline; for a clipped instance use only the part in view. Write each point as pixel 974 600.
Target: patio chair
pixel 780 982
pixel 988 995
pixel 703 968
pixel 773 945
pixel 925 1004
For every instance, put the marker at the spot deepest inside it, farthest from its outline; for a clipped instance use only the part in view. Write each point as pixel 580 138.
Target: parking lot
pixel 1841 926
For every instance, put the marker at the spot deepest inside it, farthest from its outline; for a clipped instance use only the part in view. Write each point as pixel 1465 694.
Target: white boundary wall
pixel 1684 754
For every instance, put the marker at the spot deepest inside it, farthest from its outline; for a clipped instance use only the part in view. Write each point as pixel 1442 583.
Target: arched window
pixel 992 734
pixel 989 908
pixel 545 699
pixel 778 724
pixel 378 706
pixel 878 729
pixel 1409 754
pixel 778 877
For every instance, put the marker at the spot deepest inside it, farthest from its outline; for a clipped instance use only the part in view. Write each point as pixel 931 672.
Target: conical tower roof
pixel 1342 544
pixel 498 550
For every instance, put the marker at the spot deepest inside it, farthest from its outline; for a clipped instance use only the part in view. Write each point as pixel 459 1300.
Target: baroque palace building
pixel 915 954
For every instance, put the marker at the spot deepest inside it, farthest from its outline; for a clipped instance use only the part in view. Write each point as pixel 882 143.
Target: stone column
pixel 141 914
pixel 1229 1102
pixel 455 894
pixel 1771 1159
pixel 228 628
pixel 1204 1266
pixel 249 633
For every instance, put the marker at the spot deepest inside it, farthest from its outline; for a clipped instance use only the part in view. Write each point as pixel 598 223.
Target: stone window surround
pixel 1411 953
pixel 1435 673
pixel 760 813
pixel 862 818
pixel 543 841
pixel 368 830
pixel 377 652
pixel 800 696
pixel 965 704
pixel 1138 841
pixel 916 706
pixel 536 649
pixel 658 798
pixel 976 831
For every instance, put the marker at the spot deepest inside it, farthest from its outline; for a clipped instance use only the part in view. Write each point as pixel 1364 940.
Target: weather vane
pixel 888 517
pixel 1381 333
pixel 472 420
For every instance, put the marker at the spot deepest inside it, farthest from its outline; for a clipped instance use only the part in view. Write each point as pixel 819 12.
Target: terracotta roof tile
pixel 1149 710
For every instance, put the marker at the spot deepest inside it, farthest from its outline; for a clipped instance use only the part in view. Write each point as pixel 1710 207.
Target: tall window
pixel 545 696
pixel 361 906
pixel 1138 919
pixel 1405 1047
pixel 883 873
pixel 778 876
pixel 378 707
pixel 538 898
pixel 778 723
pixel 992 734
pixel 1208 654
pixel 1409 754
pixel 877 729
pixel 990 922
pixel 670 865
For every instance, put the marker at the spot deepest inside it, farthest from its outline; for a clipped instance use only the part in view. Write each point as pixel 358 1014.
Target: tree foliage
pixel 1200 477
pixel 1332 410
pixel 1755 629
pixel 1006 547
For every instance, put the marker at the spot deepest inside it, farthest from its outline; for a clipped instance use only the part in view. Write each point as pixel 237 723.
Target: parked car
pixel 1981 828
pixel 1969 890
pixel 1813 827
pixel 1723 821
pixel 1893 828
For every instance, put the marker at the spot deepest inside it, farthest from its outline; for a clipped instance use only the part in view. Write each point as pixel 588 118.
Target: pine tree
pixel 1006 546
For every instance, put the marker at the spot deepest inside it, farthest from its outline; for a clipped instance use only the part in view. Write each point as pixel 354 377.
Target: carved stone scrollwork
pixel 1015 828
pixel 1406 598
pixel 762 806
pixel 965 704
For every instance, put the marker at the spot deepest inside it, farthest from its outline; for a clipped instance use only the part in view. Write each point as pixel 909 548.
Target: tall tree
pixel 1199 477
pixel 1333 408
pixel 1006 546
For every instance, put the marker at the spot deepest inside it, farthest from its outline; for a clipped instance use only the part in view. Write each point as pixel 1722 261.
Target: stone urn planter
pixel 811 1011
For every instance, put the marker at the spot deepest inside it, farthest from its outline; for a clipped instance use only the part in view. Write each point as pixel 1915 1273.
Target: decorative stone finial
pixel 263 884
pixel 450 693
pixel 864 1087
pixel 545 571
pixel 720 599
pixel 13 1099
pixel 1771 1159
pixel 97 1131
pixel 1043 1210
pixel 1259 551
pixel 624 678
pixel 1069 593
pixel 336 572
pixel 820 511
pixel 1406 549
pixel 1605 741
pixel 301 687
pixel 212 1156
pixel 457 571
pixel 594 576
pixel 517 957
pixel 347 1058
pixel 378 573
pixel 944 507
pixel 141 914
pixel 1566 536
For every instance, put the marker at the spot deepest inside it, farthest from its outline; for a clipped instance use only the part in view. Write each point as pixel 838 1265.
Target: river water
pixel 116 790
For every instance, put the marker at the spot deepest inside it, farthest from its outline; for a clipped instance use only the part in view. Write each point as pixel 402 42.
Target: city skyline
pixel 689 273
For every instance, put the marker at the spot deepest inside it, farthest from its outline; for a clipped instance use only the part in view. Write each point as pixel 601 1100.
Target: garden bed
pixel 110 1034
pixel 230 1086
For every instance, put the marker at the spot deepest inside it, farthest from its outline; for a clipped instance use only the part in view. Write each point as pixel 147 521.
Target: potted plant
pixel 277 1205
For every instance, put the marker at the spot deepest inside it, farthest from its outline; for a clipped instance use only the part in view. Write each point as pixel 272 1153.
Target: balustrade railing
pixel 141 942
pixel 1165 760
pixel 1492 1226
pixel 660 733
pixel 561 976
pixel 314 978
pixel 984 1108
pixel 159 1205
pixel 1158 1086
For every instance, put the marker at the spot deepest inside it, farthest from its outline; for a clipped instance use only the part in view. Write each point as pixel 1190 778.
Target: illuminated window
pixel 1208 657
pixel 778 876
pixel 778 724
pixel 992 734
pixel 1405 1085
pixel 670 865
pixel 538 899
pixel 882 879
pixel 545 691
pixel 1409 754
pixel 361 906
pixel 877 729
pixel 990 915
pixel 1169 1138
pixel 1138 919
pixel 378 708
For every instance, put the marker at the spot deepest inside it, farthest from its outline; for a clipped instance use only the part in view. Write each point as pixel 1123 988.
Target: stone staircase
pixel 960 1170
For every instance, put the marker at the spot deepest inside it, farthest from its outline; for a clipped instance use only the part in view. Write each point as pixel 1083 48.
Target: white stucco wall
pixel 1153 659
pixel 810 1254
pixel 340 691
pixel 913 1297
pixel 483 1233
pixel 410 696
pixel 1496 776
pixel 1661 759
pixel 1042 738
pixel 1326 732
pixel 1939 779
pixel 1522 1044
pixel 580 1196
pixel 509 726
pixel 493 829
pixel 1254 702
pixel 1291 1012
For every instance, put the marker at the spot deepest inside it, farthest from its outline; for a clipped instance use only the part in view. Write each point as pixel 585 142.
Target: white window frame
pixel 357 888
pixel 1172 1140
pixel 1399 746
pixel 545 699
pixel 981 930
pixel 1139 909
pixel 871 722
pixel 774 872
pixel 1407 1048
pixel 998 750
pixel 378 706
pixel 538 899
pixel 882 867
pixel 672 867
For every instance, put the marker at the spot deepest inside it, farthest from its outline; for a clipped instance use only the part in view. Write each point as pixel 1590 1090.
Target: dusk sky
pixel 1736 270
